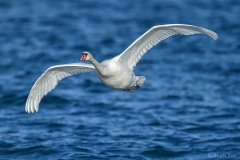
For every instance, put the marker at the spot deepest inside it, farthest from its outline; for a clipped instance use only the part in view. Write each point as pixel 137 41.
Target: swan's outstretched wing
pixel 153 36
pixel 49 79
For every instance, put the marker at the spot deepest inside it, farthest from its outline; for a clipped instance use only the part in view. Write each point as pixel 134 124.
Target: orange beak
pixel 84 56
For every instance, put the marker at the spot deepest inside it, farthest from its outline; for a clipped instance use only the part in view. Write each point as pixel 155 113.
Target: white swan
pixel 117 72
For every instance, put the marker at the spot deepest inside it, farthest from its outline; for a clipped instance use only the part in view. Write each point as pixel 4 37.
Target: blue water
pixel 189 107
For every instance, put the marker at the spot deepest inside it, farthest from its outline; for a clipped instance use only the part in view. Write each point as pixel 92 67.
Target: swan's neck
pixel 97 65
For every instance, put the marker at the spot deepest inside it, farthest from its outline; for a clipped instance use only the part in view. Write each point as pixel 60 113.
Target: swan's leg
pixel 129 90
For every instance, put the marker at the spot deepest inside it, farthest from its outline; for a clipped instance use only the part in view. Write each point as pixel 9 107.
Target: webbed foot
pixel 137 86
pixel 129 90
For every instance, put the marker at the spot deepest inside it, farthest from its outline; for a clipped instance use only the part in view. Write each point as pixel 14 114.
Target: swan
pixel 117 72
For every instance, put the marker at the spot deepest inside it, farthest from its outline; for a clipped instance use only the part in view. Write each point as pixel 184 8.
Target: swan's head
pixel 86 56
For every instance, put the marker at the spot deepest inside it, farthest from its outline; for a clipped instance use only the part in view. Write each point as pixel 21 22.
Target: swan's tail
pixel 140 80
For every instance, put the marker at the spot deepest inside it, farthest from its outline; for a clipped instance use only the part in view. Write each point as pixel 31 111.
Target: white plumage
pixel 117 72
pixel 49 79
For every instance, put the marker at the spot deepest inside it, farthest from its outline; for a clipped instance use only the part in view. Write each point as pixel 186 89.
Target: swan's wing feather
pixel 153 36
pixel 49 79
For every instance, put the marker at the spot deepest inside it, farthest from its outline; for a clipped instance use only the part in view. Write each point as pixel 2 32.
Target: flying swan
pixel 117 72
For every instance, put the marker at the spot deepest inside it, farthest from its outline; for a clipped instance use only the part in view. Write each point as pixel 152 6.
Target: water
pixel 187 109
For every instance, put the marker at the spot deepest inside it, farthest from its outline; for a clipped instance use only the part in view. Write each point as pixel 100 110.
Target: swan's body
pixel 117 72
pixel 118 76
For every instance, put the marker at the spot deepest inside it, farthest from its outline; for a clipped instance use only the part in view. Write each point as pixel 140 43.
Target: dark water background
pixel 189 107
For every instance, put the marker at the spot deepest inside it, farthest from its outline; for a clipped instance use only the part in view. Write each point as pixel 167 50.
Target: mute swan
pixel 117 72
